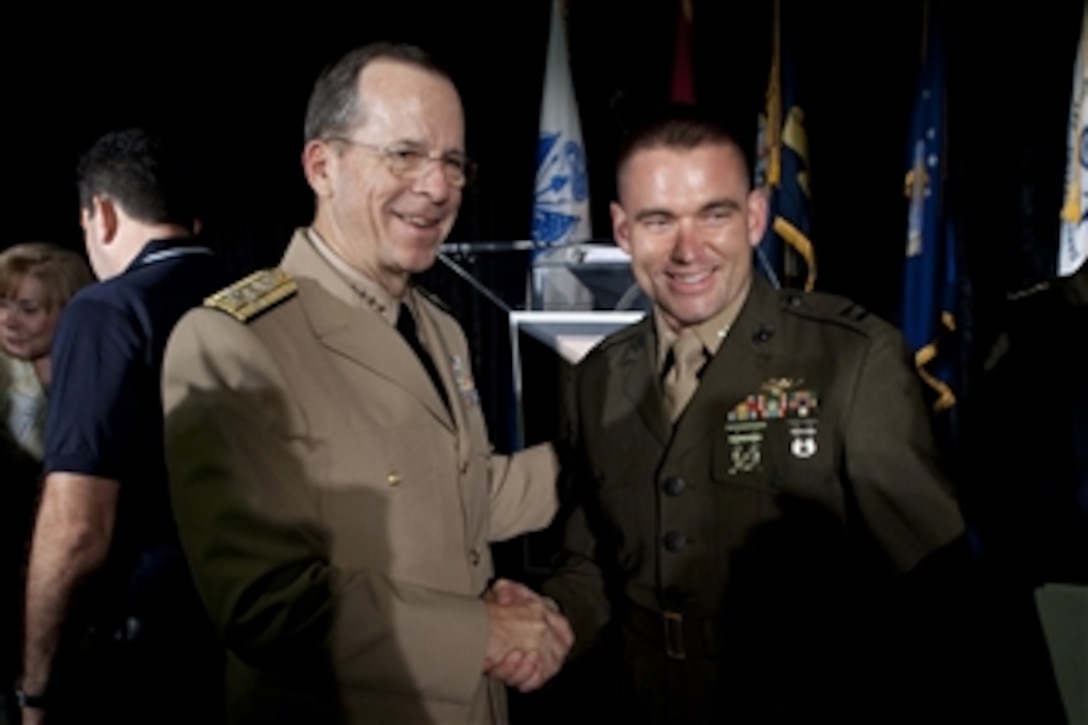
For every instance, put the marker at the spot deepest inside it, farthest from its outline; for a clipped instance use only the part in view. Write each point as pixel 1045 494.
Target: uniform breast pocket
pixel 746 482
pixel 383 501
pixel 791 463
pixel 778 510
pixel 744 454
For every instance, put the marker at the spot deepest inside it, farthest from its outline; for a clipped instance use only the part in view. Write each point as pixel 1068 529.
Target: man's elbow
pixel 82 545
pixel 76 518
pixel 90 543
pixel 282 620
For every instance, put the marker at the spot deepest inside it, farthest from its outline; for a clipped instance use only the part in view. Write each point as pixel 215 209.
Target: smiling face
pixel 384 225
pixel 689 221
pixel 27 319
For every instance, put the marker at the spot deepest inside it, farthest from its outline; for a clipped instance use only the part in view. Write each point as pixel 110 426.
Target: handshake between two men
pixel 528 638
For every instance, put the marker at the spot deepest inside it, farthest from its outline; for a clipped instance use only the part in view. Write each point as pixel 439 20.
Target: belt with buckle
pixel 674 634
pixel 678 634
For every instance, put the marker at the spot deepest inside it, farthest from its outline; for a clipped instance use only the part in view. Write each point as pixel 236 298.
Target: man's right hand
pixel 528 638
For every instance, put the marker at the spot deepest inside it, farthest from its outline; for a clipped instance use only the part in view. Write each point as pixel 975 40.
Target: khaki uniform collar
pixel 369 291
pixel 712 332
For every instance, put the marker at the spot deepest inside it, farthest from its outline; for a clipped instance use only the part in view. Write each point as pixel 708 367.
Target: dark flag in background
pixel 683 83
pixel 930 282
pixel 786 254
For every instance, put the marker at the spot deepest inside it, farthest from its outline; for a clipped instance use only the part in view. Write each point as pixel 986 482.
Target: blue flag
pixel 785 254
pixel 931 282
pixel 561 206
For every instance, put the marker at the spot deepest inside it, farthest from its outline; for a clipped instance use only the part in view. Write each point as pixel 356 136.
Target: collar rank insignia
pixel 252 295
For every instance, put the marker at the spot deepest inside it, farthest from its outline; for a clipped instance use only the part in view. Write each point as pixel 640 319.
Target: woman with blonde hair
pixel 36 281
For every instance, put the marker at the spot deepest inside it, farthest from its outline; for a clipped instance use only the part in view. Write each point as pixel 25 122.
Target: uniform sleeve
pixel 252 530
pixel 892 464
pixel 91 410
pixel 522 485
pixel 578 579
pixel 523 491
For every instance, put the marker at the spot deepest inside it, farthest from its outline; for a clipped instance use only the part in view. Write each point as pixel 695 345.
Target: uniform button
pixel 393 478
pixel 763 334
pixel 474 557
pixel 675 541
pixel 674 485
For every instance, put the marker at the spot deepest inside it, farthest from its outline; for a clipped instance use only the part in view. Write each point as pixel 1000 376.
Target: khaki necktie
pixel 682 377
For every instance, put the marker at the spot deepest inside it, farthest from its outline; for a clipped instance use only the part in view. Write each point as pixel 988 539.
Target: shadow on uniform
pixel 278 613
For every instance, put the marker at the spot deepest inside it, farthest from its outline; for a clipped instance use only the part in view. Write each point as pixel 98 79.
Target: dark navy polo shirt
pixel 105 409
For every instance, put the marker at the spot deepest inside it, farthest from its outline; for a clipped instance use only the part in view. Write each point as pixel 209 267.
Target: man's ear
pixel 758 211
pixel 111 218
pixel 621 230
pixel 100 219
pixel 317 158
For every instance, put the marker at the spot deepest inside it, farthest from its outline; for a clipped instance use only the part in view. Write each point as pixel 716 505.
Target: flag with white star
pixel 931 283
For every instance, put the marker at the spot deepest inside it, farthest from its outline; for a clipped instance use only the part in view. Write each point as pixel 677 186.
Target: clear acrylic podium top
pixel 584 277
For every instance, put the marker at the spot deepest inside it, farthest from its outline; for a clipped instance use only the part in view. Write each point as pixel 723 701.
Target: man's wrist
pixel 30 698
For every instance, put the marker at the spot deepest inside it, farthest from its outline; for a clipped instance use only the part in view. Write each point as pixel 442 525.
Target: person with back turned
pixel 114 630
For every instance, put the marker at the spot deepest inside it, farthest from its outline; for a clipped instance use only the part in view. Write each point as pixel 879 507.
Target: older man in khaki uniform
pixel 330 468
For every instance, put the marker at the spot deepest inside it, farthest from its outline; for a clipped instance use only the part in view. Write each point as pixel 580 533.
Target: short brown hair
pixel 678 126
pixel 62 272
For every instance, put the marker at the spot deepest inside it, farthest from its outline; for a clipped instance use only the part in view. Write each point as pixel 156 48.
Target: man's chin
pixel 419 261
pixel 689 316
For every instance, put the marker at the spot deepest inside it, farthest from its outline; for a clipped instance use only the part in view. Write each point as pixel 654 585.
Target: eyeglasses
pixel 408 161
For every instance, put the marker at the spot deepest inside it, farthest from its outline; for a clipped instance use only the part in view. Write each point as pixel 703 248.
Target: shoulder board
pixel 257 293
pixel 832 309
pixel 432 298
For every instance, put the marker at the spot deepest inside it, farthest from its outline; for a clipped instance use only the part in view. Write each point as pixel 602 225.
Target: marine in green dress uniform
pixel 736 558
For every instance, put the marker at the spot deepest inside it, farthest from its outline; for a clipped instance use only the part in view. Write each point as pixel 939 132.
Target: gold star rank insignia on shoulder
pixel 252 295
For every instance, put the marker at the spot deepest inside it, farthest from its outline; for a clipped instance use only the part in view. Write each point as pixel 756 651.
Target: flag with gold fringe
pixel 786 254
pixel 930 282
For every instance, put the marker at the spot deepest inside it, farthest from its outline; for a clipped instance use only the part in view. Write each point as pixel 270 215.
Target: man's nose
pixel 687 240
pixel 432 181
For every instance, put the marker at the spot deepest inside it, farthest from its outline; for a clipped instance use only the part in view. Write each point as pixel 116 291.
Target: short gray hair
pixel 334 104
